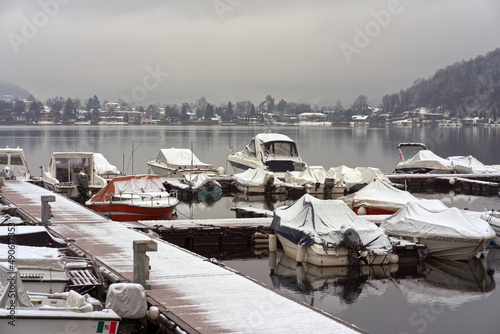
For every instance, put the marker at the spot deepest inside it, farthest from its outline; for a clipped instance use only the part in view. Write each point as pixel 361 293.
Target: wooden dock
pixel 194 294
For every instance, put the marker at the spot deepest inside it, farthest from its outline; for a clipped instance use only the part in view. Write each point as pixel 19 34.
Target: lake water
pixel 435 297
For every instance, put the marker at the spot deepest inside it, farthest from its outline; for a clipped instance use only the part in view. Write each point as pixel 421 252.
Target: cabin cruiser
pixel 269 151
pixel 177 162
pixel 447 233
pixel 74 174
pixel 13 164
pixel 328 233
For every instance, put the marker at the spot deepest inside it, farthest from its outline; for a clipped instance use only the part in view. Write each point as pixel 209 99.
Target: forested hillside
pixel 10 89
pixel 464 89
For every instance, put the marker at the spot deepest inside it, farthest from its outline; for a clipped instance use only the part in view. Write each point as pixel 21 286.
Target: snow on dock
pixel 200 295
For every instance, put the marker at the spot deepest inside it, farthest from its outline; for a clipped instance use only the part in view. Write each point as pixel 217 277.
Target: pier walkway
pixel 197 295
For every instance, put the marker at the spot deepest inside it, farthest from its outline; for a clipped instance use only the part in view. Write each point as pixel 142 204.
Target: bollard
pixel 46 209
pixel 141 263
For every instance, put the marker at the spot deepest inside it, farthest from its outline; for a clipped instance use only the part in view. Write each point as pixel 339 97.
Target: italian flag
pixel 107 327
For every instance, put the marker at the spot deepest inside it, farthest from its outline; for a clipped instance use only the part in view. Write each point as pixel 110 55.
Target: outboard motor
pixel 328 188
pixel 270 187
pixel 83 185
pixel 355 247
pixel 7 172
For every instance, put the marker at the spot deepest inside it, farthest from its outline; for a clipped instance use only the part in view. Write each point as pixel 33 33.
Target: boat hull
pixel 317 256
pixel 164 171
pixel 454 250
pixel 28 320
pixel 129 212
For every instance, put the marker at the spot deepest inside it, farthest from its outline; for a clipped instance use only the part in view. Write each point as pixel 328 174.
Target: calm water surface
pixel 436 297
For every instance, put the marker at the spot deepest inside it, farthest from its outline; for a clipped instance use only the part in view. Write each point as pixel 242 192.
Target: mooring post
pixel 141 263
pixel 46 209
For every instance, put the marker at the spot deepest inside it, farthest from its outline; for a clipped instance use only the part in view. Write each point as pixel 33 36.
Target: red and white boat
pixel 133 198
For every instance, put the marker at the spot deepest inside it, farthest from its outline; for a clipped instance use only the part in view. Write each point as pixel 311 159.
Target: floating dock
pixel 194 294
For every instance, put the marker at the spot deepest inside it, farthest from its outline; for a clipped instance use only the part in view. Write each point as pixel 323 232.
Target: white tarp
pixel 309 176
pixel 128 300
pixel 181 158
pixel 139 185
pixel 27 257
pixel 431 219
pixel 379 195
pixel 470 165
pixel 196 181
pixel 310 220
pixel 11 281
pixel 359 175
pixel 254 177
pixel 426 159
pixel 103 166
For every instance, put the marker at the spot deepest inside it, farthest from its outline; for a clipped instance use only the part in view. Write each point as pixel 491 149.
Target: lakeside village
pixel 55 111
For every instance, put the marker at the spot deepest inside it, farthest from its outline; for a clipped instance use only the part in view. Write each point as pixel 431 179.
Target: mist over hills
pixel 12 90
pixel 464 89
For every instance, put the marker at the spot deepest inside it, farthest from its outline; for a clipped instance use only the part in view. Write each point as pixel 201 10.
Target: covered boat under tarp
pixel 447 232
pixel 425 161
pixel 356 177
pixel 28 235
pixel 256 181
pixel 104 168
pixel 177 162
pixel 470 165
pixel 314 178
pixel 321 225
pixel 378 197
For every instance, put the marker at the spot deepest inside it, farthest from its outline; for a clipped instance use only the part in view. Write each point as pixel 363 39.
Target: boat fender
pixel 272 261
pixel 221 170
pixel 301 253
pixel 153 313
pixel 492 243
pixel 422 255
pixel 361 211
pixel 273 244
pixel 452 181
pixel 393 258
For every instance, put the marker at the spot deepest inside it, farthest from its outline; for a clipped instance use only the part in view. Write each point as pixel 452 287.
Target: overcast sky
pixel 233 50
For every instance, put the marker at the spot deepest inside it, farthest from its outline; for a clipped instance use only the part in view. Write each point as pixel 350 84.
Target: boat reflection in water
pixel 435 281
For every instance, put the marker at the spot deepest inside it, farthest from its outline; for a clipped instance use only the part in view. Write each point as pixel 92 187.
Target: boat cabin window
pixel 67 169
pixel 281 149
pixel 250 148
pixel 4 159
pixel 16 160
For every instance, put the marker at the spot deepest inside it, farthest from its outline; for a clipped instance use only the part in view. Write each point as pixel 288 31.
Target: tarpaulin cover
pixel 426 159
pixel 196 181
pixel 128 300
pixel 309 176
pixel 379 195
pixel 10 280
pixel 470 165
pixel 180 158
pixel 431 219
pixel 310 220
pixel 28 257
pixel 103 166
pixel 254 177
pixel 359 175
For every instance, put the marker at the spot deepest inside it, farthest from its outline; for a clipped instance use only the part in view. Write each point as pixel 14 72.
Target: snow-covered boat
pixel 176 162
pixel 28 235
pixel 378 198
pixel 269 151
pixel 13 164
pixel 259 181
pixel 41 268
pixel 328 233
pixel 316 180
pixel 426 161
pixel 354 179
pixel 74 174
pixel 22 313
pixel 133 198
pixel 194 186
pixel 446 232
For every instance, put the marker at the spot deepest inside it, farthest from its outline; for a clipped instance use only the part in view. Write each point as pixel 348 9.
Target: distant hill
pixel 10 89
pixel 466 88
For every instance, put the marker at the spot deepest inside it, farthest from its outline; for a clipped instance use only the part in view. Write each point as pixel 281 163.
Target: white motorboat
pixel 258 181
pixel 41 268
pixel 447 233
pixel 354 179
pixel 328 233
pixel 73 174
pixel 269 151
pixel 177 162
pixel 22 313
pixel 13 164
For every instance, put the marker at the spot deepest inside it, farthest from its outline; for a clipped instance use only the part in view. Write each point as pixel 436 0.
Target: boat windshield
pixel 280 149
pixel 250 149
pixel 67 169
